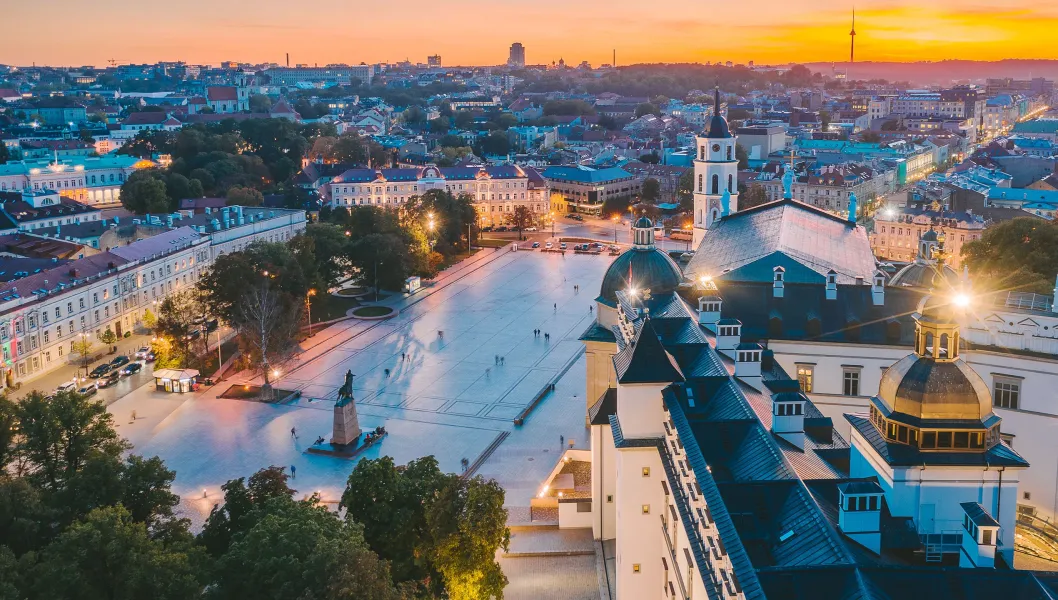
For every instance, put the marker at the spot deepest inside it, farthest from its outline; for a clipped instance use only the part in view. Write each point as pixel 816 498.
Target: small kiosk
pixel 176 381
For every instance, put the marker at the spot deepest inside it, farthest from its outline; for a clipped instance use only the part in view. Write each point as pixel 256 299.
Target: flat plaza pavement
pixel 446 397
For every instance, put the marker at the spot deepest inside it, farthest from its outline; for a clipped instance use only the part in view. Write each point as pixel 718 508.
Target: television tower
pixel 852 40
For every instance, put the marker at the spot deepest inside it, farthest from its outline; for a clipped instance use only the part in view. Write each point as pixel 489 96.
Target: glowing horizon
pixel 773 32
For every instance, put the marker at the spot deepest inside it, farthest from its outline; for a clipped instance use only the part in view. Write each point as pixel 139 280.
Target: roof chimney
pixel 709 311
pixel 832 285
pixel 778 283
pixel 860 512
pixel 729 335
pixel 788 417
pixel 878 289
pixel 747 364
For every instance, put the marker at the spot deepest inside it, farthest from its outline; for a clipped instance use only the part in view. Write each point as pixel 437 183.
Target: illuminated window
pixel 646 471
pixel 805 375
pixel 646 509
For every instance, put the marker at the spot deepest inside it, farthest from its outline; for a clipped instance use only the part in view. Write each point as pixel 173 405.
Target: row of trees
pixel 212 160
pixel 80 519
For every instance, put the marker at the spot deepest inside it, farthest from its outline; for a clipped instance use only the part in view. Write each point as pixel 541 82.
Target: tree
pixel 651 158
pixel 108 337
pixel 646 108
pixel 267 321
pixel 150 320
pixel 754 196
pixel 83 346
pixel 238 513
pixel 392 503
pixel 178 316
pixel 824 120
pixel 259 103
pixel 322 251
pixel 4 154
pixel 520 219
pixel 111 555
pixel 1019 254
pixel 302 550
pixel 59 434
pixel 685 191
pixel 144 193
pixel 742 156
pixel 244 196
pixel 871 137
pixel 467 526
pixel 349 148
pixel 148 143
pixel 495 144
pixel 651 190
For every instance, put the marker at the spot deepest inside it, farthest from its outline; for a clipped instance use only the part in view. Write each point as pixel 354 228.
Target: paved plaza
pixel 447 396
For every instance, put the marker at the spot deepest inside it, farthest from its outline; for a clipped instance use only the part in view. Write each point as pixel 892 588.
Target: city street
pixel 590 228
pixel 445 393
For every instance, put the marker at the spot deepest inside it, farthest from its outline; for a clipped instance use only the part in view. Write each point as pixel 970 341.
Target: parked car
pixel 67 387
pixel 598 246
pixel 150 357
pixel 143 352
pixel 502 228
pixel 487 228
pixel 548 246
pixel 88 390
pixel 119 361
pixel 530 229
pixel 536 244
pixel 132 369
pixel 100 371
pixel 562 245
pixel 109 379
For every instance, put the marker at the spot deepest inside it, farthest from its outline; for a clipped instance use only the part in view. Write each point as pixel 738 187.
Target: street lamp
pixel 552 224
pixel 686 228
pixel 308 308
pixel 616 219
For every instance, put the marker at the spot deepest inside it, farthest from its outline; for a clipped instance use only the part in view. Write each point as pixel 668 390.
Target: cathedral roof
pixel 649 268
pixel 646 360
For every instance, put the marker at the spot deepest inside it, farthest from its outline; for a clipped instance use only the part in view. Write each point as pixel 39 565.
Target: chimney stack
pixel 729 336
pixel 747 365
pixel 860 512
pixel 788 417
pixel 709 311
pixel 878 289
pixel 778 289
pixel 832 285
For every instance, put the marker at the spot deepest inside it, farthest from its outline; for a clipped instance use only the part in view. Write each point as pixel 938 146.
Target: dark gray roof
pixel 646 360
pixel 978 514
pixel 861 487
pixel 649 269
pixel 604 408
pixel 903 455
pixel 804 240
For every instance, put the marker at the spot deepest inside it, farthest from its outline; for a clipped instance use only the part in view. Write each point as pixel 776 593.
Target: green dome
pixel 651 269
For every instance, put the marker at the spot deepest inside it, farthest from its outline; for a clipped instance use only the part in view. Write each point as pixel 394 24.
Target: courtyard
pixel 462 362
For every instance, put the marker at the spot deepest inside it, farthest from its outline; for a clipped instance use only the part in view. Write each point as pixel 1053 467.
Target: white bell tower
pixel 715 172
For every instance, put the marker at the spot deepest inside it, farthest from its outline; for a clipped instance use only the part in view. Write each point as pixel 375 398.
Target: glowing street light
pixel 308 308
pixel 961 300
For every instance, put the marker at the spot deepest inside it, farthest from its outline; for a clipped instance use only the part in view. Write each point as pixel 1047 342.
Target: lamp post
pixel 308 308
pixel 687 227
pixel 616 218
pixel 552 224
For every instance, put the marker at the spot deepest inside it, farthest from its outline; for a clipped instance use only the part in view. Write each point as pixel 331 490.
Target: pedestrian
pixel 495 359
pixel 561 442
pixel 402 355
pixel 293 472
pixel 132 419
pixel 488 370
pixel 387 372
pixel 503 360
pixel 293 433
pixel 556 307
pixel 591 308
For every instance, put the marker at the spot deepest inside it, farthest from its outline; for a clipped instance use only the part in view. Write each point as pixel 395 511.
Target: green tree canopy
pixel 651 190
pixel 1020 254
pixel 145 192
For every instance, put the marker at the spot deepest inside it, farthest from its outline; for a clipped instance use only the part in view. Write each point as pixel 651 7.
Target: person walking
pixel 387 372
pixel 556 307
pixel 293 472
pixel 561 442
pixel 293 432
pixel 488 370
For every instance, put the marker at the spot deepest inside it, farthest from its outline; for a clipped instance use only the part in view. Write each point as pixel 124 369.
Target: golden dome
pixel 928 389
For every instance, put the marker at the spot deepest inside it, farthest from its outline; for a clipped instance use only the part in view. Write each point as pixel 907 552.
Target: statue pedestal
pixel 346 424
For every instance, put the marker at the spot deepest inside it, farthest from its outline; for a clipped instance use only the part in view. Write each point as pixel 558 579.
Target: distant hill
pixel 943 72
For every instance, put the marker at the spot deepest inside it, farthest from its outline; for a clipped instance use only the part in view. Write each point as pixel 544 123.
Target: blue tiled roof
pixel 581 175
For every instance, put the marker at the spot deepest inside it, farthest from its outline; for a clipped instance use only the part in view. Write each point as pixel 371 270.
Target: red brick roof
pixel 222 93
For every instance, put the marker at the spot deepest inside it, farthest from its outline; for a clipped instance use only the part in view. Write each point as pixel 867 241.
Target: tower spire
pixel 852 38
pixel 716 101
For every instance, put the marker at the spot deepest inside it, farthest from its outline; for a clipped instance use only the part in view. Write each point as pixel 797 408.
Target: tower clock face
pixel 716 147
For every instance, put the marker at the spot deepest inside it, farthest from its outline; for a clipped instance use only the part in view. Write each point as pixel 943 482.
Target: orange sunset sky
pixel 479 32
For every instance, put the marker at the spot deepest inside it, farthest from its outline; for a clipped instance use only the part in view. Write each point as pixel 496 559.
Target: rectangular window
pixel 986 537
pixel 850 380
pixel 1006 392
pixel 805 375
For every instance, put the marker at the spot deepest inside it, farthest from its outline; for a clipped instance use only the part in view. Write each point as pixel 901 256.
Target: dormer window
pixel 749 356
pixel 789 409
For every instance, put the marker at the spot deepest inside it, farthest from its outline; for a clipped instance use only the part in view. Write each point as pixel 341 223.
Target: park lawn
pixel 372 311
pixel 326 307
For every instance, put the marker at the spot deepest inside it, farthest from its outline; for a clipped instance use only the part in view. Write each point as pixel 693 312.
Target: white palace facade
pixel 721 469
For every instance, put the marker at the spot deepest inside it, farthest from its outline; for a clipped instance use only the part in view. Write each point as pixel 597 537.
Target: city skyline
pixel 888 30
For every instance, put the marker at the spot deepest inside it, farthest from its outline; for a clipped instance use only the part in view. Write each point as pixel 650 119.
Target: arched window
pixel 731 183
pixel 716 184
pixel 943 350
pixel 729 152
pixel 928 349
pixel 955 345
pixel 700 182
pixel 701 152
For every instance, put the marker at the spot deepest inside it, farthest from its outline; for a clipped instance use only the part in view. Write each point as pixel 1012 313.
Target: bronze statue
pixel 346 391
